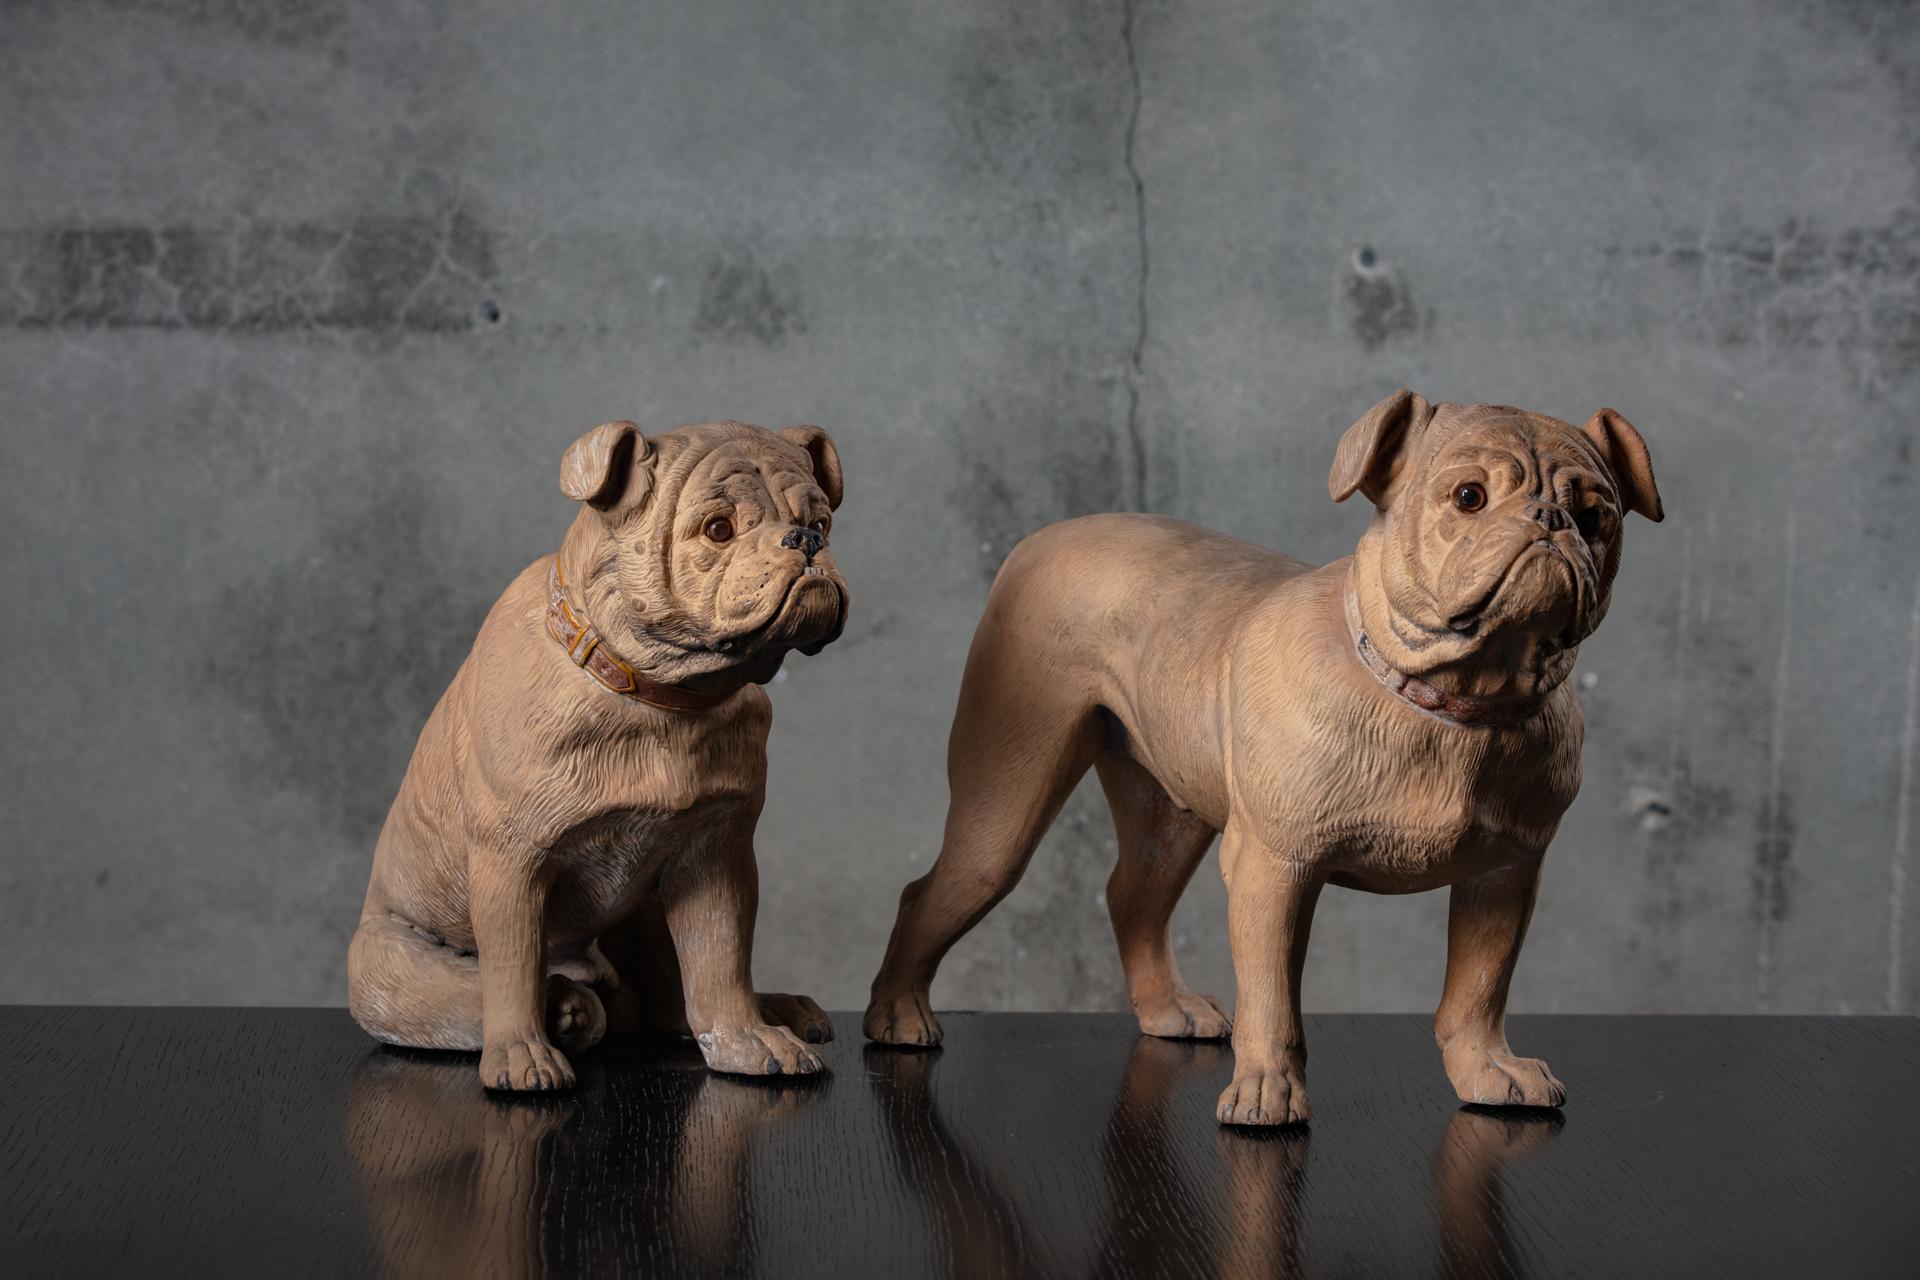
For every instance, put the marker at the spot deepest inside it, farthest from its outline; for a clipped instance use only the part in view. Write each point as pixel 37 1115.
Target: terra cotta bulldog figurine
pixel 571 850
pixel 1394 721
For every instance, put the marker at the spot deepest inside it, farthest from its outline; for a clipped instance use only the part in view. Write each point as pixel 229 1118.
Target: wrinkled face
pixel 1496 536
pixel 1507 520
pixel 708 547
pixel 749 554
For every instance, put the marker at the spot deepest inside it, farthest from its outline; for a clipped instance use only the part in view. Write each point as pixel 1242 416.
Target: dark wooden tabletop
pixel 219 1142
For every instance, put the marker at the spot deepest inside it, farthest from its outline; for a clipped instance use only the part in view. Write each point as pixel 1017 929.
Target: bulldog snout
pixel 1548 516
pixel 806 541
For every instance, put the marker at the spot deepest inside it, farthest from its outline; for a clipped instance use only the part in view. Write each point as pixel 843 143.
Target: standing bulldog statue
pixel 571 850
pixel 1395 721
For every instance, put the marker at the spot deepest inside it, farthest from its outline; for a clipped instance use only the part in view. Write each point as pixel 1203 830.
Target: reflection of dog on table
pixel 573 840
pixel 459 1182
pixel 1469 1199
pixel 1236 1208
pixel 456 1181
pixel 983 1230
pixel 1394 721
pixel 1244 1222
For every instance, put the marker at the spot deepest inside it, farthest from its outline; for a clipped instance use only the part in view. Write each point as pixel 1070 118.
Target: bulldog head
pixel 1495 539
pixel 703 554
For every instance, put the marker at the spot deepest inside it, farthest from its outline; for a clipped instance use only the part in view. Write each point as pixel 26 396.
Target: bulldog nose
pixel 806 541
pixel 1548 516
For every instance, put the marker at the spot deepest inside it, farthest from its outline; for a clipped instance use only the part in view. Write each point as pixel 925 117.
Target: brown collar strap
pixel 1460 708
pixel 587 649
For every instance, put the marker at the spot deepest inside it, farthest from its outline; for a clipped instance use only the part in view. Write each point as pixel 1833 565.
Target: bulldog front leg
pixel 1269 912
pixel 711 897
pixel 1486 923
pixel 509 910
pixel 650 997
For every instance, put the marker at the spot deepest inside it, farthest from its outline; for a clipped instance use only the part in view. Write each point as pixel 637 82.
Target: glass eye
pixel 820 526
pixel 719 529
pixel 1470 497
pixel 1588 523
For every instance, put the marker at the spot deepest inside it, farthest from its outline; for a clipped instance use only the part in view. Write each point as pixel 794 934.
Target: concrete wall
pixel 299 304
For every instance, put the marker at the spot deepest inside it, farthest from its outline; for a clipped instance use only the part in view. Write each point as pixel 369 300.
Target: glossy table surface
pixel 283 1142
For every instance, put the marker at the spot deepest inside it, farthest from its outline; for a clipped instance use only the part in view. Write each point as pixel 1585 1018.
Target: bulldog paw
pixel 756 1051
pixel 1265 1094
pixel 1184 1015
pixel 575 1017
pixel 905 1020
pixel 524 1066
pixel 1501 1080
pixel 798 1014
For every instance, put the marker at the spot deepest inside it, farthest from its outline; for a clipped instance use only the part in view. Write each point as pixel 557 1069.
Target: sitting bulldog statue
pixel 571 850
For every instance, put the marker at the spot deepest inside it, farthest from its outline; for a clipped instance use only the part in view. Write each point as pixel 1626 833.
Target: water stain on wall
pixel 741 299
pixel 1040 97
pixel 1854 291
pixel 338 653
pixel 1676 816
pixel 1773 871
pixel 421 275
pixel 1377 301
pixel 1041 100
pixel 1885 31
pixel 1022 467
pixel 291 23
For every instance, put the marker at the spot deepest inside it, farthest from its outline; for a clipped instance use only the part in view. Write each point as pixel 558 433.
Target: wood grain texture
pixel 244 1142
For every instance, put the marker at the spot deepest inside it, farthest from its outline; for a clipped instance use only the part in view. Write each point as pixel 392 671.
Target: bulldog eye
pixel 820 526
pixel 1470 497
pixel 719 529
pixel 1588 523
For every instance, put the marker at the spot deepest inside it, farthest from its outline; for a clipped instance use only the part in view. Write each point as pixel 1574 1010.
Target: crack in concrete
pixel 1136 441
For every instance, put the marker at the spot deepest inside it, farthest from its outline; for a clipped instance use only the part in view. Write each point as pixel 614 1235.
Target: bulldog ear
pixel 1626 456
pixel 1369 453
pixel 826 459
pixel 610 466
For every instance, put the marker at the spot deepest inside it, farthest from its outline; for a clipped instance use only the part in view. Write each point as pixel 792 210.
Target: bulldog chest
pixel 679 787
pixel 1404 857
pixel 1430 817
pixel 605 867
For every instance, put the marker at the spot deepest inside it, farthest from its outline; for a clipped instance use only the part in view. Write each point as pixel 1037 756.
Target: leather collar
pixel 588 650
pixel 1460 708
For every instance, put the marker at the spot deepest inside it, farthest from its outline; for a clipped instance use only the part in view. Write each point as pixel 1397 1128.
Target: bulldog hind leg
pixel 1161 844
pixel 1012 761
pixel 406 988
pixel 409 989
